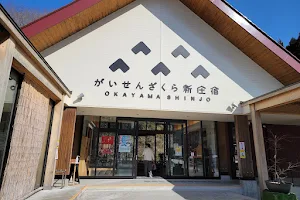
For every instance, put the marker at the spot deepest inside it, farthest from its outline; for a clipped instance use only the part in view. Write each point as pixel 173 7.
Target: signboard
pixel 125 143
pixel 242 150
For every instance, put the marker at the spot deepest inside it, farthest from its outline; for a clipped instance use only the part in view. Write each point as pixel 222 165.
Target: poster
pixel 242 150
pixel 125 143
pixel 178 150
pixel 107 139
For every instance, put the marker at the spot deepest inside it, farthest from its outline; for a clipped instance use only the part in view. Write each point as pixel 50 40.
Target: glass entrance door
pixel 176 165
pixel 142 141
pixel 125 162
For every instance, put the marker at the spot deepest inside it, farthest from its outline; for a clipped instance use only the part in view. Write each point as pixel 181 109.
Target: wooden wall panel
pixel 66 140
pixel 242 133
pixel 77 136
pixel 224 148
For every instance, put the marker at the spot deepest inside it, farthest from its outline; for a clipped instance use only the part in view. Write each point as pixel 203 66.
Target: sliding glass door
pixel 125 162
pixel 175 145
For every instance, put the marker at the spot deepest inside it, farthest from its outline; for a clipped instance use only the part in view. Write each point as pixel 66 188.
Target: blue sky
pixel 279 19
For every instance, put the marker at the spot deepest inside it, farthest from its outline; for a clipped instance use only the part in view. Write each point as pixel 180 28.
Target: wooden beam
pixel 21 41
pixel 278 100
pixel 53 145
pixel 289 109
pixel 259 145
pixel 6 57
pixel 242 134
pixel 24 64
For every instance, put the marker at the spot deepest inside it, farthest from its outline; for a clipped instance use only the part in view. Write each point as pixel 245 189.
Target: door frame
pixel 133 133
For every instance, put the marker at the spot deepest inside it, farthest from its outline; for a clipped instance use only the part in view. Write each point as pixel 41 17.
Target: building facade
pixel 164 73
pixel 194 79
pixel 31 106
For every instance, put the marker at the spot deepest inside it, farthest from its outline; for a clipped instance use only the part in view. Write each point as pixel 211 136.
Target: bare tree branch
pixel 275 168
pixel 23 16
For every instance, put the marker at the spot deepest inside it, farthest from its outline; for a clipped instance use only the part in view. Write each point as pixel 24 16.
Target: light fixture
pixel 79 98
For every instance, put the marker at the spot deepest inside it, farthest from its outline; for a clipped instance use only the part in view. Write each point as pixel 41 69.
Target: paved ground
pixel 159 195
pixel 144 189
pixel 58 194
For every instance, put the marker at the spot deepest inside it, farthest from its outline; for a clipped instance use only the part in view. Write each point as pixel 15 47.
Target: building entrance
pixel 166 138
pixel 112 147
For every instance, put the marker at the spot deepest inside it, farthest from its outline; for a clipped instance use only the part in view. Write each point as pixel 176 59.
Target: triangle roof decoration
pixel 221 16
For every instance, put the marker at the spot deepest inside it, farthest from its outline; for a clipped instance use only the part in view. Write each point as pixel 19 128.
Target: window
pixel 7 114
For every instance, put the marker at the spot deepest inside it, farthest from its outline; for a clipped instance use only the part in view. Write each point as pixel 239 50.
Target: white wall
pixel 162 26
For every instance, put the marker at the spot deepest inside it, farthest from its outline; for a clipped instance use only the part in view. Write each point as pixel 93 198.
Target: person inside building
pixel 148 160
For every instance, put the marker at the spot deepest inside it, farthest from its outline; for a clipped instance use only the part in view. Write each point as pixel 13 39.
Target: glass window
pixel 151 126
pixel 125 148
pixel 160 148
pixel 106 153
pixel 108 122
pixel 195 157
pixel 176 164
pixel 210 153
pixel 9 102
pixel 89 146
pixel 160 126
pixel 142 125
pixel 126 125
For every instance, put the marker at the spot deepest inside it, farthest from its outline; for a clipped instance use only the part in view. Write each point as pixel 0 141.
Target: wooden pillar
pixel 53 145
pixel 66 140
pixel 259 145
pixel 224 148
pixel 6 58
pixel 244 151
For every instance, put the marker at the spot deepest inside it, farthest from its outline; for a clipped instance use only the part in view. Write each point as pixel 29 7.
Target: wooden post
pixel 224 148
pixel 6 58
pixel 259 145
pixel 242 135
pixel 53 145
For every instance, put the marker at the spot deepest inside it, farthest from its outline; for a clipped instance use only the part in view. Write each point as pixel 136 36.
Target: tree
pixel 294 46
pixel 23 16
pixel 279 167
pixel 280 42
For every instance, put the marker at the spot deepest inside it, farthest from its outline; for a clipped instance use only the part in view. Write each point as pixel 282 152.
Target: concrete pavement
pixel 154 189
pixel 159 195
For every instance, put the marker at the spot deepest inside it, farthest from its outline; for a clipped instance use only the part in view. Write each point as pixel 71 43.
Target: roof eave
pixel 17 33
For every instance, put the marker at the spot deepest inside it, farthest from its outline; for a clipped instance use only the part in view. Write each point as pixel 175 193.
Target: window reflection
pixel 9 102
pixel 105 158
pixel 176 164
pixel 202 149
pixel 210 154
pixel 195 148
pixel 108 147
